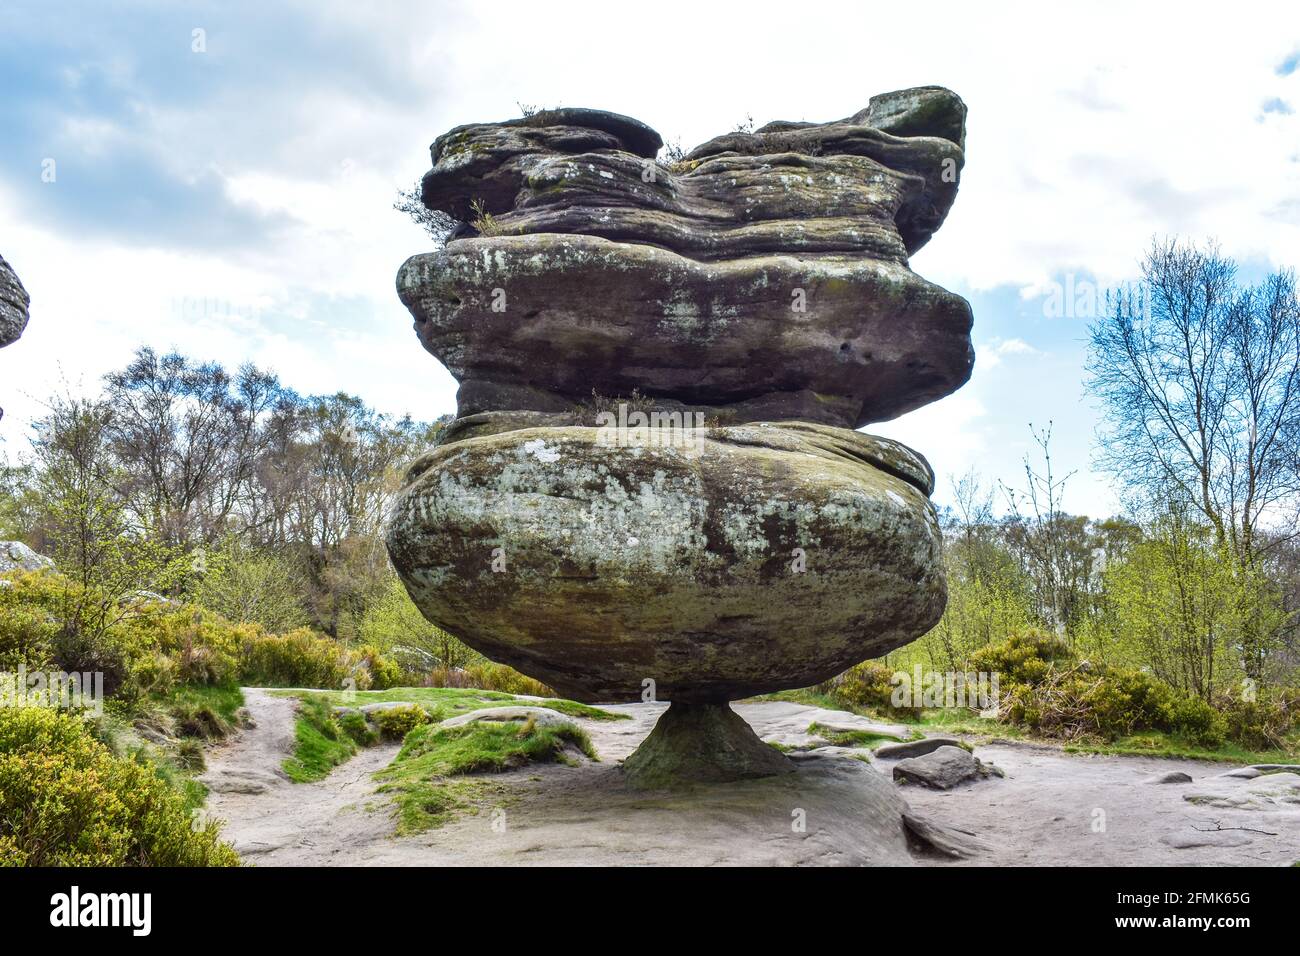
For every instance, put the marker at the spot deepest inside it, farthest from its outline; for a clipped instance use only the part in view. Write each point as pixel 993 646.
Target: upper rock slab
pixel 765 274
pixel 878 183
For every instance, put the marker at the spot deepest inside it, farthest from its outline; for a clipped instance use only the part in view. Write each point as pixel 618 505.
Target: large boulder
pixel 512 318
pixel 737 561
pixel 941 769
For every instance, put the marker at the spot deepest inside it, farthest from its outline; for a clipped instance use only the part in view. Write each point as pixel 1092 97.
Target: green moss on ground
pixel 851 738
pixel 321 742
pixel 325 739
pixel 985 729
pixel 427 778
pixel 1159 744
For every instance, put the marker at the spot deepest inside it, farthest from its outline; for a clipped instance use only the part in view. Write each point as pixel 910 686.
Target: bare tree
pixel 1055 549
pixel 1200 383
pixel 186 437
pixel 437 224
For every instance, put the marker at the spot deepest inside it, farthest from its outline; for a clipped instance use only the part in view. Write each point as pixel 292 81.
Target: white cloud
pixel 1091 128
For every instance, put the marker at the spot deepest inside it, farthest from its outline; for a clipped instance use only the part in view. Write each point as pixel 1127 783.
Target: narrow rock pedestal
pixel 702 743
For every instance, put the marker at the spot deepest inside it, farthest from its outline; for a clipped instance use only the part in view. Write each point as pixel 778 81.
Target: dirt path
pixel 268 818
pixel 1051 808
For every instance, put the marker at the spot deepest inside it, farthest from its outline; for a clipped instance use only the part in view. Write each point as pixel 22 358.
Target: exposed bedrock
pixel 740 560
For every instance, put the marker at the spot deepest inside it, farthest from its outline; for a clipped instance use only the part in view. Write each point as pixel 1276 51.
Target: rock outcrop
pixel 652 484
pixel 13 307
pixel 16 556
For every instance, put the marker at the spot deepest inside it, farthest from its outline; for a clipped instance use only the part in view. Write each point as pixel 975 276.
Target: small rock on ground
pixel 942 769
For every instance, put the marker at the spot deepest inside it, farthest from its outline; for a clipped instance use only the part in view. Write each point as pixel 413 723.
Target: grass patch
pixel 427 778
pixel 206 713
pixel 451 701
pixel 851 738
pixel 322 744
pixel 1158 744
pixel 358 728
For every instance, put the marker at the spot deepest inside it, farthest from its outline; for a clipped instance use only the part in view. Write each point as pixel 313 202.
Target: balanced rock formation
pixel 13 307
pixel 652 484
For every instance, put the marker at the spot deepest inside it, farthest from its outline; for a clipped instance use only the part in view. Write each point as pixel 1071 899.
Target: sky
pixel 219 177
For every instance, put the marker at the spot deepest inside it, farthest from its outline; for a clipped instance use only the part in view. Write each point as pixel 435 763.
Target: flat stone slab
pixel 915 748
pixel 242 781
pixel 780 717
pixel 943 840
pixel 1243 773
pixel 832 811
pixel 382 705
pixel 1262 791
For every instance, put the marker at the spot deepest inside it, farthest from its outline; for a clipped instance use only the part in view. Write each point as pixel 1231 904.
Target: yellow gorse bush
pixel 66 800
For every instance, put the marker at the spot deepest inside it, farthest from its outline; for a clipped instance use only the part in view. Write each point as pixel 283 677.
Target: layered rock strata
pixel 653 483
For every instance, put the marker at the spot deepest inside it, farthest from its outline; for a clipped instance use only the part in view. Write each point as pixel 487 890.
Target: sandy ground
pixel 1051 808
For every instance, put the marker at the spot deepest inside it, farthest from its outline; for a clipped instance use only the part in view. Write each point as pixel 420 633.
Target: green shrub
pixel 302 658
pixel 195 647
pixel 870 686
pixel 1024 658
pixel 1193 719
pixel 358 728
pixel 384 672
pixel 1264 723
pixel 66 800
pixel 27 629
pixel 189 755
pixel 148 648
pixel 199 720
pixel 489 675
pixel 1083 701
pixel 396 722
